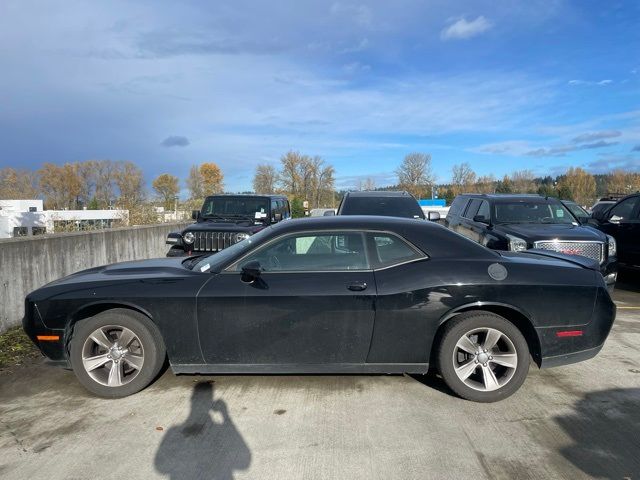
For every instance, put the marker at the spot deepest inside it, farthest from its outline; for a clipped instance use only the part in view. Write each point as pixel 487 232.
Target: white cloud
pixel 590 83
pixel 463 28
pixel 361 14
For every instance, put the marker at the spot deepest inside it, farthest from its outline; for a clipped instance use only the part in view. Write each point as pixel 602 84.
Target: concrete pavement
pixel 579 421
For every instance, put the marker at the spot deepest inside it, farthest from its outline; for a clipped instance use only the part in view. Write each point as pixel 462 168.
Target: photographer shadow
pixel 203 448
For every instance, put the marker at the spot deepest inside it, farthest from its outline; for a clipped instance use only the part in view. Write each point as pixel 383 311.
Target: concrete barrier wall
pixel 28 263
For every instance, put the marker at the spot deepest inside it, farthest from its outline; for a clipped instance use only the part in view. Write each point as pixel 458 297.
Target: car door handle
pixel 357 286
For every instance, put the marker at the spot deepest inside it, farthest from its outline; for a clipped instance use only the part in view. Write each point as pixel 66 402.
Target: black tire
pixel 149 341
pixel 467 322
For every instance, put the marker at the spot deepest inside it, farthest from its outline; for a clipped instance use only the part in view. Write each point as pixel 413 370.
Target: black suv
pixel 521 222
pixel 622 222
pixel 384 203
pixel 227 219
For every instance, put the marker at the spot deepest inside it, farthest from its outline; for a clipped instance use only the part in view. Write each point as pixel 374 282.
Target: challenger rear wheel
pixel 116 353
pixel 483 357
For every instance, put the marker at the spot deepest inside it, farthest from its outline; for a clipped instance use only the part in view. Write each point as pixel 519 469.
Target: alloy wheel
pixel 113 355
pixel 485 359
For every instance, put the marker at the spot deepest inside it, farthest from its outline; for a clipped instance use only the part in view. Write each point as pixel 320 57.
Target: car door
pixel 466 224
pixel 478 229
pixel 623 223
pixel 312 304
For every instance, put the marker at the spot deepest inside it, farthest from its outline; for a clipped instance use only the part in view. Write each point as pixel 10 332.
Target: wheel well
pixel 92 310
pixel 512 315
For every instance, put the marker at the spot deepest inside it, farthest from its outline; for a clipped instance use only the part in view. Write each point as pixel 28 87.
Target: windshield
pixel 236 207
pixel 405 207
pixel 214 261
pixel 577 210
pixel 532 212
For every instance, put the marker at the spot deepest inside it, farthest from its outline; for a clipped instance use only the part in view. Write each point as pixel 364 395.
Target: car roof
pixel 430 237
pixel 364 222
pixel 498 197
pixel 254 195
pixel 379 193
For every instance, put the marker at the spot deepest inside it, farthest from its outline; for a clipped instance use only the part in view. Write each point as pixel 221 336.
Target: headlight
pixel 189 238
pixel 516 244
pixel 613 246
pixel 241 236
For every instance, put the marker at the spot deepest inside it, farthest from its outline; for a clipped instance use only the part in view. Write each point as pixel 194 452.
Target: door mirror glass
pixel 277 217
pixel 195 214
pixel 434 216
pixel 481 219
pixel 251 271
pixel 329 213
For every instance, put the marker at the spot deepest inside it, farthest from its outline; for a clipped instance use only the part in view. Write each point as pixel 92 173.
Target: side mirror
pixel 251 271
pixel 329 213
pixel 195 214
pixel 480 219
pixel 277 217
pixel 433 216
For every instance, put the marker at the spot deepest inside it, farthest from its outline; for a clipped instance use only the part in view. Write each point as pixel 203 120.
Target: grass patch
pixel 16 347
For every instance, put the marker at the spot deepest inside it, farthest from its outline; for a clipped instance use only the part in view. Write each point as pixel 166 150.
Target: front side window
pixel 472 208
pixel 392 250
pixel 311 252
pixel 622 212
pixel 484 211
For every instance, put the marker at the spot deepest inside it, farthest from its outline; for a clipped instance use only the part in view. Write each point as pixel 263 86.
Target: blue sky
pixel 503 85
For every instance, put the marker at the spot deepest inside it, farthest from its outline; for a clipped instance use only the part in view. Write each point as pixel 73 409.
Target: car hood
pixel 533 232
pixel 157 268
pixel 215 226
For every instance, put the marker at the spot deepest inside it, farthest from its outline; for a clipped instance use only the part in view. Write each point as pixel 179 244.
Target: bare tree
pixel 265 178
pixel 194 184
pixel 463 178
pixel 523 181
pixel 18 184
pixel 290 172
pixel 486 184
pixel 415 174
pixel 368 184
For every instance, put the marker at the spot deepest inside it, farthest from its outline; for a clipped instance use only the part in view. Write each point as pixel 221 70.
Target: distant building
pixel 21 218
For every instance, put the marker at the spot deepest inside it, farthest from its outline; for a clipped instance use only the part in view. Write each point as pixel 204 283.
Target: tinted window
pixel 391 250
pixel 532 212
pixel 312 252
pixel 484 210
pixel 456 206
pixel 471 210
pixel 622 211
pixel 602 206
pixel 234 207
pixel 406 207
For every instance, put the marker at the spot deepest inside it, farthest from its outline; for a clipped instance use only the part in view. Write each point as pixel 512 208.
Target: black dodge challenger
pixel 328 295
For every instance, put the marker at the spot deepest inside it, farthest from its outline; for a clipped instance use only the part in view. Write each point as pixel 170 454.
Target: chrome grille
pixel 213 241
pixel 593 250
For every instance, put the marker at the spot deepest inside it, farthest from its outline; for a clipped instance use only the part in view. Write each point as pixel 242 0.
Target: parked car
pixel 522 222
pixel 622 222
pixel 322 212
pixel 580 213
pixel 341 294
pixel 383 203
pixel 603 204
pixel 225 220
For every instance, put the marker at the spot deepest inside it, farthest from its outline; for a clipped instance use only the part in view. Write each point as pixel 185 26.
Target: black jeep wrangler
pixel 225 220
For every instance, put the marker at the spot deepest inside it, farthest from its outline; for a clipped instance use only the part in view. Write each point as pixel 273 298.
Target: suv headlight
pixel 613 246
pixel 188 238
pixel 516 244
pixel 241 236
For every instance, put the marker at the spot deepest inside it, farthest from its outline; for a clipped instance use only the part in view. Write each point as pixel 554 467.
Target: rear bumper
pixel 558 348
pixel 568 358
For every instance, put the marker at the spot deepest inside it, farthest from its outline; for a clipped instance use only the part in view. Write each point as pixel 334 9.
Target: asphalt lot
pixel 579 421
